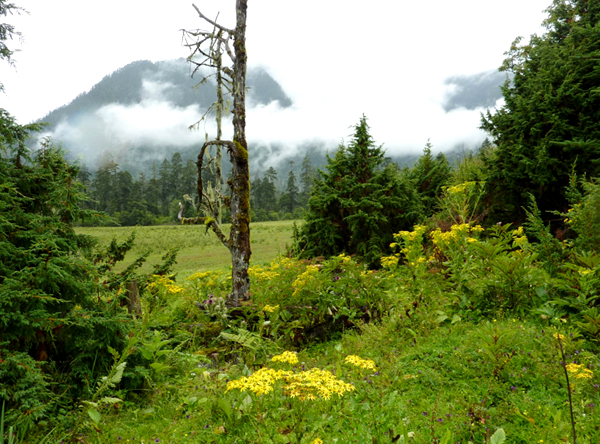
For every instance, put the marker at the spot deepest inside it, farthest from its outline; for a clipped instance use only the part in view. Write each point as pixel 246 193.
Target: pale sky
pixel 336 59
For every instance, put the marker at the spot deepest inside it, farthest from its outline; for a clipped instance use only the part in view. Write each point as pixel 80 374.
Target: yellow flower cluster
pixel 198 275
pixel 270 308
pixel 283 262
pixel 344 258
pixel 460 188
pixel 361 363
pixel 579 372
pixel 261 274
pixel 206 279
pixel 287 356
pixel 260 382
pixel 388 261
pixel 308 385
pixel 519 237
pixel 305 278
pixel 411 236
pixel 456 233
pixel 315 383
pixel 165 282
pixel 317 441
pixel 558 336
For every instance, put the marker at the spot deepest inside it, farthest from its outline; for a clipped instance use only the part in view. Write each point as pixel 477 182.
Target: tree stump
pixel 132 298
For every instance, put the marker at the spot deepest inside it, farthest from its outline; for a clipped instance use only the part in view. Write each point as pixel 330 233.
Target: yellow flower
pixel 315 383
pixel 287 356
pixel 317 441
pixel 270 308
pixel 558 336
pixel 388 261
pixel 577 371
pixel 260 382
pixel 360 363
pixel 305 278
pixel 344 258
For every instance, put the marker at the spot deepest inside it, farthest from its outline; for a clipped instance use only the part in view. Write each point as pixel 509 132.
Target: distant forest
pixel 141 181
pixel 278 192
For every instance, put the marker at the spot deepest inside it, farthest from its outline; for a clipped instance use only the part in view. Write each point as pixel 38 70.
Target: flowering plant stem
pixel 564 365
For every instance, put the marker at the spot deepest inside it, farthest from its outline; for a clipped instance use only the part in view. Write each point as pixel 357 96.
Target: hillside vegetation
pixel 438 303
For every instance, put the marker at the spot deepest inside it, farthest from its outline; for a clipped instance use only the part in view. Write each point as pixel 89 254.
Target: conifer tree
pixel 307 179
pixel 291 191
pixel 357 204
pixel 551 120
pixel 430 174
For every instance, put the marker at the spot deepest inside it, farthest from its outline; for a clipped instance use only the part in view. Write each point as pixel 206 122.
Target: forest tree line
pixel 153 197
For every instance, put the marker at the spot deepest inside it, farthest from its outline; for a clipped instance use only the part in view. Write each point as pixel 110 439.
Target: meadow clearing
pixel 328 351
pixel 198 250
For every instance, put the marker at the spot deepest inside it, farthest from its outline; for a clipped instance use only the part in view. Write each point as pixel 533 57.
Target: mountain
pixel 142 112
pixel 481 90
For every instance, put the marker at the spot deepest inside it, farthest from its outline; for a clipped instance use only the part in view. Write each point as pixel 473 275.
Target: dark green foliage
pixel 143 201
pixel 430 174
pixel 54 328
pixel 307 179
pixel 263 196
pixel 357 204
pixel 551 119
pixel 289 201
pixel 583 218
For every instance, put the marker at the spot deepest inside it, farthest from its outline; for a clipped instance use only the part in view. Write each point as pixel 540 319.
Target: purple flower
pixel 157 440
pixel 513 388
pixel 424 413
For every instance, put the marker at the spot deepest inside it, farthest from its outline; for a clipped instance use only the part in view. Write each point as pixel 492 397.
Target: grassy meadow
pixel 198 250
pixel 455 347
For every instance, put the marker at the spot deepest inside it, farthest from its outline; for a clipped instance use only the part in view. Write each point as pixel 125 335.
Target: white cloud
pixel 336 59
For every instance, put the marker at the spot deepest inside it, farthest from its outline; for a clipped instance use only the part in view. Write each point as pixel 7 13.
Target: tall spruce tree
pixel 357 204
pixel 551 120
pixel 292 191
pixel 430 174
pixel 307 179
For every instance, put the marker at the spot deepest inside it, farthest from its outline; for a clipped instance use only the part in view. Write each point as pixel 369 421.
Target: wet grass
pixel 198 250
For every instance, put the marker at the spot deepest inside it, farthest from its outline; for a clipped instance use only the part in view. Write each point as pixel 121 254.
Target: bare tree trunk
pixel 239 238
pixel 240 196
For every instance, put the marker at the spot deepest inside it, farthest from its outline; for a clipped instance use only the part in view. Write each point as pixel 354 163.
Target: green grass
pixel 198 250
pixel 445 374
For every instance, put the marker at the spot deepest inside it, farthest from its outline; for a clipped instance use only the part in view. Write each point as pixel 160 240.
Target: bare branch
pixel 215 24
pixel 199 163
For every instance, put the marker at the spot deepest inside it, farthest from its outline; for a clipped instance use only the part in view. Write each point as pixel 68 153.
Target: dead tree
pixel 212 47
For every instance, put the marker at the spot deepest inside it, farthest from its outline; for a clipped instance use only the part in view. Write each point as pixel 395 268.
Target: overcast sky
pixel 336 59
